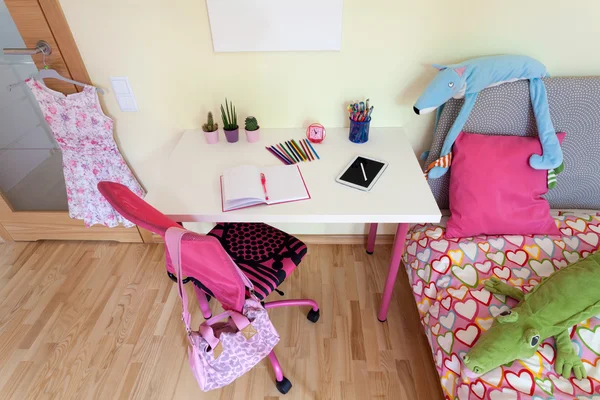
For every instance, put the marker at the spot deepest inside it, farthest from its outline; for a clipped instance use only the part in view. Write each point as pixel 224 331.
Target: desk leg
pixel 372 237
pixel 395 259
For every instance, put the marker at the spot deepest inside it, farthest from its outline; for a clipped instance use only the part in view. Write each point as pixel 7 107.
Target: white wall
pixel 166 50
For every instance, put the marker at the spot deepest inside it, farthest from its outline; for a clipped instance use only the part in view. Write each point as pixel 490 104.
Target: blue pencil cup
pixel 359 131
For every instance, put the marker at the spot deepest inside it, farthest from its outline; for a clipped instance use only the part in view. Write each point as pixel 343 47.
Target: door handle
pixel 40 47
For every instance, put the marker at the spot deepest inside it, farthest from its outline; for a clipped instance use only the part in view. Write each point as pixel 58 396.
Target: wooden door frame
pixel 40 225
pixel 4 211
pixel 4 235
pixel 64 40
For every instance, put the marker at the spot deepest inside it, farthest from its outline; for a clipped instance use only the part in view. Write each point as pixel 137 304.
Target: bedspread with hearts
pixel 447 278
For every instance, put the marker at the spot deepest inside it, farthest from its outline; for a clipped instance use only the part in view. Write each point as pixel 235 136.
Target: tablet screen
pixel 354 173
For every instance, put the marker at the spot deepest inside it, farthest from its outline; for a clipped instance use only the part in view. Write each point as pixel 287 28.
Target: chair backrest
pixel 202 257
pixel 134 209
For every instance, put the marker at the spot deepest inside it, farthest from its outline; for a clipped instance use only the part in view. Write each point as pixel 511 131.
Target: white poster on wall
pixel 275 25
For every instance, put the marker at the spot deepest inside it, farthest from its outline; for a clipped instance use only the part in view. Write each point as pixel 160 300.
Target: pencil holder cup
pixel 359 131
pixel 232 136
pixel 253 136
pixel 212 137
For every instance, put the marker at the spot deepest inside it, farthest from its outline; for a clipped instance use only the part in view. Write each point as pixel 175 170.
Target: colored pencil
pixel 300 158
pixel 304 141
pixel 296 150
pixel 300 150
pixel 306 150
pixel 290 155
pixel 276 155
pixel 293 142
pixel 313 149
pixel 296 157
pixel 280 154
pixel 284 151
pixel 303 146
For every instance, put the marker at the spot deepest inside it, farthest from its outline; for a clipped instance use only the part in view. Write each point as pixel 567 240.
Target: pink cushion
pixel 494 191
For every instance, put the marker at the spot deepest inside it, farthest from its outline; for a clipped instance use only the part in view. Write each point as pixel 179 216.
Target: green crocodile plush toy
pixel 566 298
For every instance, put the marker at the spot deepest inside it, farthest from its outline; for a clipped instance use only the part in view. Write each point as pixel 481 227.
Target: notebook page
pixel 284 183
pixel 241 184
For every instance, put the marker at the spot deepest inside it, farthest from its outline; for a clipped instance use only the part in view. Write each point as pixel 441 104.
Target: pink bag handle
pixel 173 242
pixel 207 332
pixel 173 238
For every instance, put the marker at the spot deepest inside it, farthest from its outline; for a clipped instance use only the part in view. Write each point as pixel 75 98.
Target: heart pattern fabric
pixel 455 308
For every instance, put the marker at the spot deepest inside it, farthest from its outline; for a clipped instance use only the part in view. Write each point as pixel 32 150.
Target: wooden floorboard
pixel 101 320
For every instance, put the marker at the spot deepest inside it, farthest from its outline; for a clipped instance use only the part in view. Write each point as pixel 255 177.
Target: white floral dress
pixel 89 152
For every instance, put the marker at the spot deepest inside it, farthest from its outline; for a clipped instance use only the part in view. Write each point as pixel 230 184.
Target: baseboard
pixel 324 239
pixel 343 239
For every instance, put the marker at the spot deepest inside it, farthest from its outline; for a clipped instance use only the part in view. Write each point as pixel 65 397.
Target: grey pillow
pixel 506 110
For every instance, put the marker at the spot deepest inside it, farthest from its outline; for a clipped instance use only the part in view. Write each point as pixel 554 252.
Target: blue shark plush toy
pixel 468 78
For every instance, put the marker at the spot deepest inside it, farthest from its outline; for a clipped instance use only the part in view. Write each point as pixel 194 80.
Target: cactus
pixel 210 125
pixel 229 116
pixel 251 124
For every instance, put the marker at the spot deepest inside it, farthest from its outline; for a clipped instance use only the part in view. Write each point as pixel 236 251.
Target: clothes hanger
pixel 46 73
pixel 52 73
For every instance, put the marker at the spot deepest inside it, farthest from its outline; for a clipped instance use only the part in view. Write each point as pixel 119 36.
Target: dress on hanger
pixel 89 152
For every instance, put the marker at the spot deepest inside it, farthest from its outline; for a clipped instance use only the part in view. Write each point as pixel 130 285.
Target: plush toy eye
pixel 451 84
pixel 505 313
pixel 534 340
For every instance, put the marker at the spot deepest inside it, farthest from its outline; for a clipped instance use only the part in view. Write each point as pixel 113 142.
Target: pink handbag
pixel 219 352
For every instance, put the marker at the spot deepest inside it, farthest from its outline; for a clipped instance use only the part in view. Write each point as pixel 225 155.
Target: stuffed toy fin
pixel 467 79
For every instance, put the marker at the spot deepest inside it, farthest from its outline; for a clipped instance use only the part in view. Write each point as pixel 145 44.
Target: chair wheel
pixel 284 385
pixel 313 316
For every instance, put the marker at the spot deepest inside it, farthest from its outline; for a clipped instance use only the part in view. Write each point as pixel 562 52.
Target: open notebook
pixel 242 187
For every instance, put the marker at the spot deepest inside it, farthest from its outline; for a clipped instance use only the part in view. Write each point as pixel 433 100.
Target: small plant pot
pixel 232 136
pixel 212 137
pixel 253 136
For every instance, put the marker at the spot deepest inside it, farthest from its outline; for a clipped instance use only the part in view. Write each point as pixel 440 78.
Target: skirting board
pixel 322 239
pixel 344 239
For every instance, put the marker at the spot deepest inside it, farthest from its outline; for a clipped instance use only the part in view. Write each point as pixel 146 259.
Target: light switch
pixel 124 94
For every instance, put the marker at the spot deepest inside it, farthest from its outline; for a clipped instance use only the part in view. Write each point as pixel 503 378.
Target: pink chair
pixel 266 256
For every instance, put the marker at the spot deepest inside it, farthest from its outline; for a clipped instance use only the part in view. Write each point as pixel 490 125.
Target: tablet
pixel 362 173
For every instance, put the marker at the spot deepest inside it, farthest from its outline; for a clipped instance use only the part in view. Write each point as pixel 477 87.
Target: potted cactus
pixel 230 126
pixel 210 129
pixel 252 129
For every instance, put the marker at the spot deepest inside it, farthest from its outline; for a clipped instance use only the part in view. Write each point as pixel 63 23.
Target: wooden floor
pixel 102 321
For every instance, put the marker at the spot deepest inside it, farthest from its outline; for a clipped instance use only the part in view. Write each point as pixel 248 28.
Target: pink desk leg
pixel 372 237
pixel 397 251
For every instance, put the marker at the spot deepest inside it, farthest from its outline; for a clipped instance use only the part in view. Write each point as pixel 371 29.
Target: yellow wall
pixel 165 48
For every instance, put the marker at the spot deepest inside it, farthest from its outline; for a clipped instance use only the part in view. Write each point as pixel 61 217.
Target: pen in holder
pixel 359 131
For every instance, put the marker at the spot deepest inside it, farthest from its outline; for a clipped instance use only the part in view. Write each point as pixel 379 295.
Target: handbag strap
pixel 173 238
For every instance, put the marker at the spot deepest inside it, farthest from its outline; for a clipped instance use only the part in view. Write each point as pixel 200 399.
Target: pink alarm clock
pixel 315 133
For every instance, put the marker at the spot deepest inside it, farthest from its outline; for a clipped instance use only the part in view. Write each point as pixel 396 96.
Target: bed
pixel 447 275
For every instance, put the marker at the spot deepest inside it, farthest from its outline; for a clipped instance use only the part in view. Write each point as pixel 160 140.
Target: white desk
pixel 189 188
